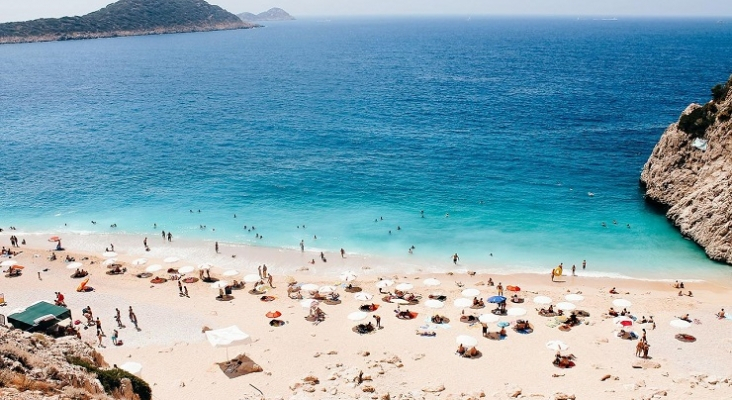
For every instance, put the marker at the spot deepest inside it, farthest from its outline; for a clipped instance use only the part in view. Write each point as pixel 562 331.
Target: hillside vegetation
pixel 126 18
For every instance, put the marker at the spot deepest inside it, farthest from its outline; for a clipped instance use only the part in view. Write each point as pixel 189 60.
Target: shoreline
pixel 178 362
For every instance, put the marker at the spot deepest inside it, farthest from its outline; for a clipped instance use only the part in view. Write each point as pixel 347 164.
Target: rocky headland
pixel 688 174
pixel 126 18
pixel 273 14
pixel 36 366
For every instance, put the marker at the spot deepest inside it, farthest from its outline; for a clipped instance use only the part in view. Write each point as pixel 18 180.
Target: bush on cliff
pixel 111 378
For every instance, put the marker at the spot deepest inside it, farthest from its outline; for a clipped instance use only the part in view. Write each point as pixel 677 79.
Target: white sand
pixel 179 363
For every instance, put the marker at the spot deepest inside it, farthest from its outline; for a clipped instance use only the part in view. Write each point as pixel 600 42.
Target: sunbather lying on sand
pixel 426 333
pixel 721 314
pixel 685 318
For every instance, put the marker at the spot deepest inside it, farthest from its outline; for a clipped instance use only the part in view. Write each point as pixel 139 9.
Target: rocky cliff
pixel 126 18
pixel 37 366
pixel 689 173
pixel 273 14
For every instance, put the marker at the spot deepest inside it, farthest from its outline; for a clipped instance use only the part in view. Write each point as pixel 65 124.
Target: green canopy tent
pixel 39 316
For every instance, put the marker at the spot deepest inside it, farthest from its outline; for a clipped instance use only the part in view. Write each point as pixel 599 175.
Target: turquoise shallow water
pixel 504 124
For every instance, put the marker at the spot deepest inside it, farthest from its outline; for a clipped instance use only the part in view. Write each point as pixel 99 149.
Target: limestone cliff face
pixel 689 172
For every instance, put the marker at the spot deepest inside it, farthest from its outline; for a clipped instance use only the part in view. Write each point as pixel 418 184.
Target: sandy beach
pixel 179 362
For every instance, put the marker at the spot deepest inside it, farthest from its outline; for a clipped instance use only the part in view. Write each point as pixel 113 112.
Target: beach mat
pixel 241 365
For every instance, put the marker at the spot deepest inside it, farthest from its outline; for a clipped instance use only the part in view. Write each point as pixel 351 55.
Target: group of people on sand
pixel 80 273
pixel 471 352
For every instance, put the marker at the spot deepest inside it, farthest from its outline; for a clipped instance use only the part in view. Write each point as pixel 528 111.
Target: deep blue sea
pixel 505 125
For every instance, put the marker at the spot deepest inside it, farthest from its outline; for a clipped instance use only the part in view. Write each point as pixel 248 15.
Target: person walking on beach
pixel 455 258
pixel 500 289
pixel 180 288
pixel 170 237
pixel 118 318
pixel 302 246
pixel 574 269
pixel 185 291
pixel 216 246
pixel 378 321
pixel 99 327
pixel 144 243
pixel 133 318
pixel 115 334
pixel 99 338
pixel 163 235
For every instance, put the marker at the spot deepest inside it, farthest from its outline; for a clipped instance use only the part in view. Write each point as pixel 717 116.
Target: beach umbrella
pixel 680 323
pixel 496 299
pixel 357 315
pixel 186 270
pixel 327 289
pixel 503 324
pixel 205 266
pixel 227 337
pixel 109 262
pixel 621 320
pixel 74 265
pixel 511 288
pixel 404 286
pixel 230 272
pixel 154 268
pixel 307 303
pixel 574 297
pixel 472 292
pixel 431 282
pixel 348 276
pixel 363 296
pixel 109 254
pixel 132 367
pixel 622 303
pixel 54 239
pixel 434 303
pixel 9 263
pixel 556 345
pixel 171 260
pixel 542 300
pixel 219 284
pixel 308 287
pixel 566 306
pixel 515 311
pixel 462 302
pixel 384 283
pixel 466 341
pixel 251 278
pixel 139 261
pixel 488 318
pixel 399 301
pixel 273 314
pixel 626 323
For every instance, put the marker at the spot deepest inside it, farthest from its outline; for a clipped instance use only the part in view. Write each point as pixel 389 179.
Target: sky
pixel 21 10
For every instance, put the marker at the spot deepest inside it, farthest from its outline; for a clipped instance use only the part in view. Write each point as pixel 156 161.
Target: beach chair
pixel 2 300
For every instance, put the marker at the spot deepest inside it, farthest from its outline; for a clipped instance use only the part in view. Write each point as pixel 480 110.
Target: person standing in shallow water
pixel 216 246
pixel 584 264
pixel 455 258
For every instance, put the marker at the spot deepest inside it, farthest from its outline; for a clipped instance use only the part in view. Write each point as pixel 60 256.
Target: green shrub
pixel 111 378
pixel 697 121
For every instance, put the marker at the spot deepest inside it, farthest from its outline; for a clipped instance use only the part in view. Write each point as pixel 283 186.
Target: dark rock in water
pixel 126 18
pixel 273 14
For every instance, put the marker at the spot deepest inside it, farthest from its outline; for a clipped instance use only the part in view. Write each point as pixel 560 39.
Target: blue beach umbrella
pixel 496 299
pixel 503 324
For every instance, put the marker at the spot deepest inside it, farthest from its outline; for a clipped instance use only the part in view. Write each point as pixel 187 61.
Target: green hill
pixel 126 18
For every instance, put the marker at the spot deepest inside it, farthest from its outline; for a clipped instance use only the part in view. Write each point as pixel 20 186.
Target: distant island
pixel 273 14
pixel 126 18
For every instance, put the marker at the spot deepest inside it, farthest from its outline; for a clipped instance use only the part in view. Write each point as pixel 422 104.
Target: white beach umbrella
pixel 186 269
pixel 171 260
pixel 109 254
pixel 542 300
pixel 327 289
pixel 132 367
pixel 357 315
pixel 139 261
pixel 154 268
pixel 399 301
pixel 109 262
pixel 9 263
pixel 619 320
pixel 680 323
pixel 404 286
pixel 205 266
pixel 308 287
pixel 363 296
pixel 348 276
pixel 622 303
pixel 307 303
pixel 515 311
pixel 566 306
pixel 74 265
pixel 574 297
pixel 466 341
pixel 431 282
pixel 384 283
pixel 556 345
pixel 463 302
pixel 219 284
pixel 488 318
pixel 471 292
pixel 230 272
pixel 251 278
pixel 434 303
